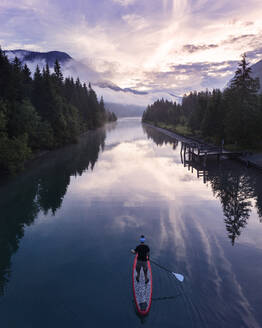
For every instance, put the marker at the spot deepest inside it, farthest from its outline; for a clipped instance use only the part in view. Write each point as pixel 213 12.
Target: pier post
pixel 204 176
pixel 184 155
pixel 205 159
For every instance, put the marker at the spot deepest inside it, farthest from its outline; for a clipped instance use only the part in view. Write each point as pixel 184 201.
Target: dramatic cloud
pixel 240 38
pixel 143 44
pixel 193 48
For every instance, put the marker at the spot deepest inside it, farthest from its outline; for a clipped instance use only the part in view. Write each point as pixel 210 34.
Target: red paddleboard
pixel 142 291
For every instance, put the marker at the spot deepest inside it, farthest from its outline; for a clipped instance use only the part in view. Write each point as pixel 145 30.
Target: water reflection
pixel 232 183
pixel 73 263
pixel 159 138
pixel 42 188
pixel 235 191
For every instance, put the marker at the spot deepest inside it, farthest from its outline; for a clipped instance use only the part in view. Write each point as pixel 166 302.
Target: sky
pixel 156 46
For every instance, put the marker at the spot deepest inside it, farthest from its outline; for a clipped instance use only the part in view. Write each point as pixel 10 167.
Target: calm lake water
pixel 69 221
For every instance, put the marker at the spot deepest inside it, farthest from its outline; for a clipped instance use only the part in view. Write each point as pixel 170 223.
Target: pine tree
pixel 27 82
pixel 58 72
pixel 243 82
pixel 242 106
pixel 5 75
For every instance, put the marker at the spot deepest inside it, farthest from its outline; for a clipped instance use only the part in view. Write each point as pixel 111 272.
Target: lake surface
pixel 69 221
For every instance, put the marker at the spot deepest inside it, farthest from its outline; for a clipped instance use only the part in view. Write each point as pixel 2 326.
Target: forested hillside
pixel 233 115
pixel 43 111
pixel 125 110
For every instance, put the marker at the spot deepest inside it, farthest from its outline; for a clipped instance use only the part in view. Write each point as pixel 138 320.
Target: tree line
pixel 233 115
pixel 42 112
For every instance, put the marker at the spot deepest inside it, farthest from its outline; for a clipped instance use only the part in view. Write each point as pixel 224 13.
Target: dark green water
pixel 68 222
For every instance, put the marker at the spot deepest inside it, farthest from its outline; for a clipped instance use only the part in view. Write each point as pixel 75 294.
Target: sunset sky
pixel 173 45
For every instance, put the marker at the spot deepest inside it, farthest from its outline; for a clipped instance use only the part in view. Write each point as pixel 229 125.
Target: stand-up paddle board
pixel 142 291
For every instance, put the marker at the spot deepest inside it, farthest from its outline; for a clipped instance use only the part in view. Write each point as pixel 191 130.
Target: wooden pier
pixel 194 151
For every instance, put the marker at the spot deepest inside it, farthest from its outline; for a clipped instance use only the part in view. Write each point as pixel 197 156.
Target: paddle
pixel 179 276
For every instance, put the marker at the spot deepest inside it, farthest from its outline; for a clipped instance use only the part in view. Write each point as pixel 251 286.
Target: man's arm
pixel 148 251
pixel 134 251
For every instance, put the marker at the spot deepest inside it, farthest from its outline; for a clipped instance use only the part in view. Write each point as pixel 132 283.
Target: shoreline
pixel 250 160
pixel 41 154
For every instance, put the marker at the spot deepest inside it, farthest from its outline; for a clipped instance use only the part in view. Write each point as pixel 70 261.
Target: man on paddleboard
pixel 142 251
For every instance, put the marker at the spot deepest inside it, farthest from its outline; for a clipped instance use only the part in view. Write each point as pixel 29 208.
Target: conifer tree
pixel 242 106
pixel 58 72
pixel 243 82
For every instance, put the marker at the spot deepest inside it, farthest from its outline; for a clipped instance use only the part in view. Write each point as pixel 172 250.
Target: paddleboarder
pixel 142 251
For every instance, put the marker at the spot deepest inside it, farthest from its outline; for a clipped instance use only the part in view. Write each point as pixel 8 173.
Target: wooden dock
pixel 194 151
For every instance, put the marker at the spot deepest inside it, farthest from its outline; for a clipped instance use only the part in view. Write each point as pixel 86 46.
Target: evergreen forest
pixel 42 112
pixel 232 116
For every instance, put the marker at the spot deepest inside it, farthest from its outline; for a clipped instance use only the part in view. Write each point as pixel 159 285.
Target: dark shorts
pixel 141 264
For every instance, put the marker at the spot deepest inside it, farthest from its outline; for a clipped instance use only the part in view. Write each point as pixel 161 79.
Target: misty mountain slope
pixel 122 110
pixel 115 87
pixel 31 56
pixel 69 65
pixel 111 92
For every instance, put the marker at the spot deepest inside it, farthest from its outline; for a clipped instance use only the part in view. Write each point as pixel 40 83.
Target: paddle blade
pixel 179 276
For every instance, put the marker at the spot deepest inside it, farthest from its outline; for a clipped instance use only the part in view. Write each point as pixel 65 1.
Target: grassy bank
pixel 182 130
pixel 179 129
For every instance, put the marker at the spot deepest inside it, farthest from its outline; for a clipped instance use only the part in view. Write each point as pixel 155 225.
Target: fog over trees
pixel 43 111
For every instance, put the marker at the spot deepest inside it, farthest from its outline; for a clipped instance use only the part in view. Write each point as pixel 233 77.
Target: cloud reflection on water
pixel 109 194
pixel 136 168
pixel 140 174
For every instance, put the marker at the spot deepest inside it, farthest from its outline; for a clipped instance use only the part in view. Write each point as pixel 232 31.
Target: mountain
pixel 257 72
pixel 111 92
pixel 122 110
pixel 32 56
pixel 77 68
pixel 115 87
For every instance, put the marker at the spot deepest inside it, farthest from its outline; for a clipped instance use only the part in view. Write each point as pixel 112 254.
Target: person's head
pixel 142 239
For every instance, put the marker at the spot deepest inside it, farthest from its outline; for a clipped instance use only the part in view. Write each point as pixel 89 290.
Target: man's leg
pixel 145 271
pixel 138 269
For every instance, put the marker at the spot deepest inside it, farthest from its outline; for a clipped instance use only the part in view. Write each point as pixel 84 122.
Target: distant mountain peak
pixel 112 86
pixel 86 73
pixel 49 57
